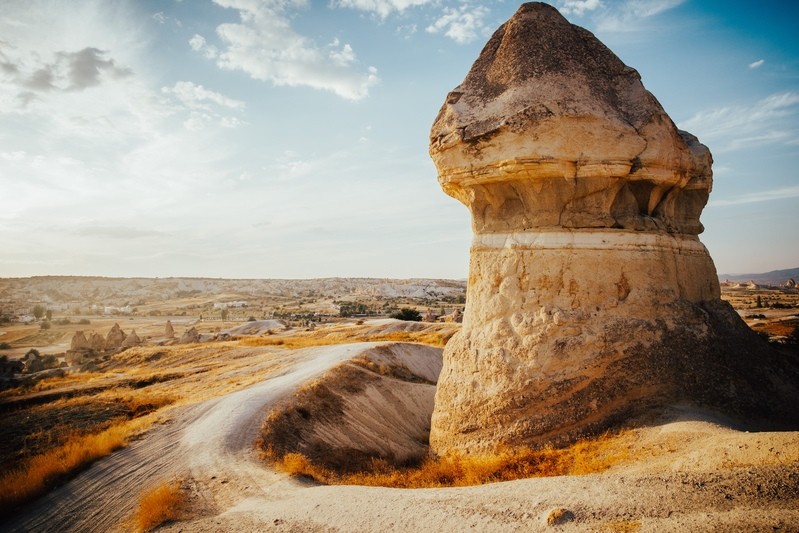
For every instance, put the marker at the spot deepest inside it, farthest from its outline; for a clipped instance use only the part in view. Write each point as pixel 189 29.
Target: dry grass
pixel 35 476
pixel 162 503
pixel 586 456
pixel 351 334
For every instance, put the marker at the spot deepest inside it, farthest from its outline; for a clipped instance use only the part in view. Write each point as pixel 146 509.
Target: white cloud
pixel 770 120
pixel 265 46
pixel 198 44
pixel 759 196
pixel 195 96
pixel 463 24
pixel 341 55
pixel 381 8
pixel 626 16
pixel 159 17
pixel 578 7
pixel 757 64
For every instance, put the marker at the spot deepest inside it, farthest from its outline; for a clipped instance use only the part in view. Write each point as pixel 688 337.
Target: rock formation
pixel 114 339
pixel 80 342
pixel 190 336
pixel 590 297
pixel 80 348
pixel 169 331
pixel 97 342
pixel 131 340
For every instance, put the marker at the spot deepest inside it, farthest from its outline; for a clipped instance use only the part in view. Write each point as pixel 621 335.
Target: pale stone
pixel 79 342
pixel 169 331
pixel 131 340
pixel 190 336
pixel 114 338
pixel 97 342
pixel 590 297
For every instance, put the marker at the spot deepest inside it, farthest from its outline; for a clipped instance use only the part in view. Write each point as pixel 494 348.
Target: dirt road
pixel 211 441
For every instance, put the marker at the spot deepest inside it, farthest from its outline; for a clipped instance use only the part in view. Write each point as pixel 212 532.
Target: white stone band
pixel 590 240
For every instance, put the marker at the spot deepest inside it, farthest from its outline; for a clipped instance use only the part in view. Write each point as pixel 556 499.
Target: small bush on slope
pixel 162 503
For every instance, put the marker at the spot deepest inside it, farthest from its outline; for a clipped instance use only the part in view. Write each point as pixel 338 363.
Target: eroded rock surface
pixel 590 297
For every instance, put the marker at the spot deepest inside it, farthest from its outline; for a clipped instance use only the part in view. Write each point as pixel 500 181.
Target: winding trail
pixel 209 443
pixel 688 487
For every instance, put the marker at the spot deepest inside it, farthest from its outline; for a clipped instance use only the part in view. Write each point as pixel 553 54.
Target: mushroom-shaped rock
pixel 114 338
pixel 590 297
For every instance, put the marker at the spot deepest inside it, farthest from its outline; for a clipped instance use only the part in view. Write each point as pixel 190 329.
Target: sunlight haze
pixel 288 138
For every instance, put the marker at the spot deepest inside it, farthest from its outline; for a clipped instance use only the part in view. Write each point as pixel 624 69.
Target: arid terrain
pixel 84 447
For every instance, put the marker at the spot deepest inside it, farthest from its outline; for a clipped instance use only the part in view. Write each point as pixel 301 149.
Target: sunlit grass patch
pixel 586 456
pixel 163 503
pixel 38 474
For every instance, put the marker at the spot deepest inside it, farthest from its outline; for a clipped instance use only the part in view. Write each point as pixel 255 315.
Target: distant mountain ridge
pixel 119 291
pixel 775 277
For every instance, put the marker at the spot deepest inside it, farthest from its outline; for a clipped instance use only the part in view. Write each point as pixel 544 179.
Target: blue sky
pixel 288 138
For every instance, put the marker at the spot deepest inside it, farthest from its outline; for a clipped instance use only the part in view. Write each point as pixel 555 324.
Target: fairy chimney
pixel 114 338
pixel 591 299
pixel 79 342
pixel 131 340
pixel 169 331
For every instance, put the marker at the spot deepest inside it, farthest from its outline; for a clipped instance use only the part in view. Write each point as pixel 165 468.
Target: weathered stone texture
pixel 590 297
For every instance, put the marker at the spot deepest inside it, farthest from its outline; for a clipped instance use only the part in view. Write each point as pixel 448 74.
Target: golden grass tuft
pixel 37 475
pixel 587 456
pixel 162 503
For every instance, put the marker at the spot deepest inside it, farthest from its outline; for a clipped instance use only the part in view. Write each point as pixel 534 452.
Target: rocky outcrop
pixel 115 338
pixel 97 342
pixel 190 336
pixel 590 297
pixel 131 340
pixel 79 342
pixel 169 331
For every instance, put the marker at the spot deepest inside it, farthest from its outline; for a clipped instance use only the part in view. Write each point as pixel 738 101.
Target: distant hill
pixel 775 277
pixel 121 291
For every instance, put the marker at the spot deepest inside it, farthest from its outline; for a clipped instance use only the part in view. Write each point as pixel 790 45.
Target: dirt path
pixel 704 477
pixel 210 441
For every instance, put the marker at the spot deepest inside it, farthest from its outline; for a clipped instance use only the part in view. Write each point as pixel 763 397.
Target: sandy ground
pixel 689 473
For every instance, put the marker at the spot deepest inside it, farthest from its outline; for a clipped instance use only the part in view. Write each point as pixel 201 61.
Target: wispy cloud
pixel 198 97
pixel 265 46
pixel 205 106
pixel 463 24
pixel 380 8
pixel 757 64
pixel 617 16
pixel 770 120
pixel 578 7
pixel 758 196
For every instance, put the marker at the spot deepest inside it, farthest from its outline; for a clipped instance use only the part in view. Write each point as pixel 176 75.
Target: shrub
pixel 406 313
pixel 5 346
pixel 45 325
pixel 162 503
pixel 84 321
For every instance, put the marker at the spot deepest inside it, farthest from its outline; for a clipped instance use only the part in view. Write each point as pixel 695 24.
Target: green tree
pixel 224 314
pixel 406 313
pixel 48 314
pixel 38 311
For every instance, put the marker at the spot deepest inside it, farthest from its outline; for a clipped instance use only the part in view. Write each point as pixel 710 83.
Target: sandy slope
pixel 211 440
pixel 691 473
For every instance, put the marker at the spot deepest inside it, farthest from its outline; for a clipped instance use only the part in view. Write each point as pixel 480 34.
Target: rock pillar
pixel 590 297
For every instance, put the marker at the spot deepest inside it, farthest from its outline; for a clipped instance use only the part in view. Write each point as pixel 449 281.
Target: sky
pixel 288 138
